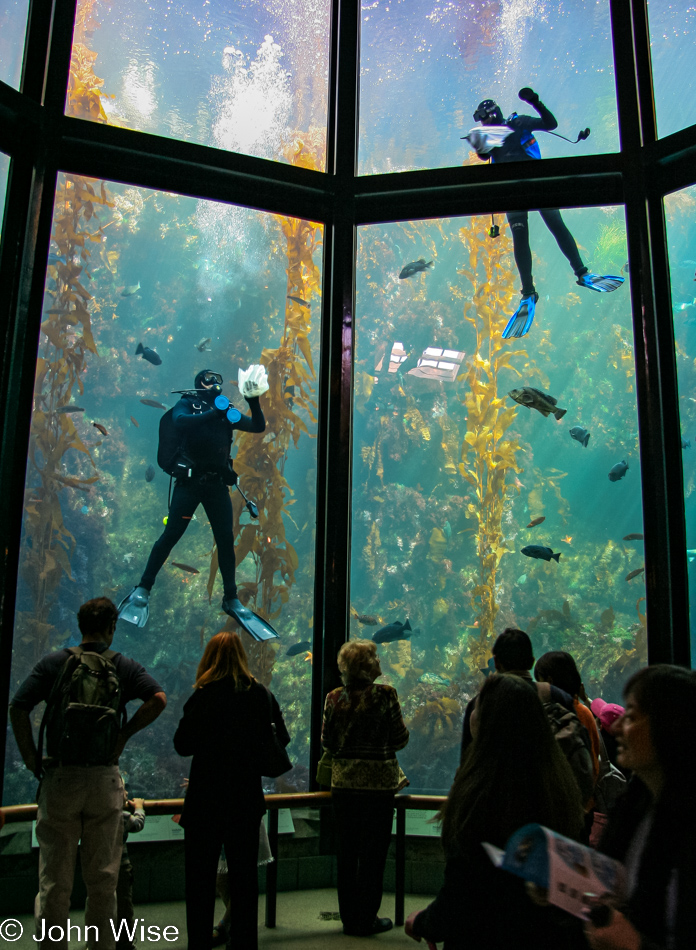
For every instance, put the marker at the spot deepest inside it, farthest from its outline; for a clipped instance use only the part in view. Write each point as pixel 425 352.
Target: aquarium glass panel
pixel 13 30
pixel 680 212
pixel 250 76
pixel 672 37
pixel 143 291
pixel 473 511
pixel 4 173
pixel 425 69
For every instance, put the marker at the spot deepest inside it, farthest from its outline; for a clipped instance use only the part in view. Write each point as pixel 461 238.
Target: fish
pixel 536 399
pixel 202 345
pixel 624 269
pixel 686 443
pixel 102 429
pixel 568 539
pixel 153 403
pixel 186 567
pixel 535 521
pixel 130 290
pixel 489 668
pixel 634 537
pixel 618 471
pixel 433 679
pixel 148 354
pixel 57 259
pixel 522 579
pixel 304 646
pixel 150 473
pixel 393 631
pixel 415 267
pixel 368 619
pixel 539 551
pixel 65 409
pixel 580 435
pixel 299 300
pixel 632 574
pixel 135 422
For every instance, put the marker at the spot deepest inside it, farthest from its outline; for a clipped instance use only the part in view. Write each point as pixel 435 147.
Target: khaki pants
pixel 79 804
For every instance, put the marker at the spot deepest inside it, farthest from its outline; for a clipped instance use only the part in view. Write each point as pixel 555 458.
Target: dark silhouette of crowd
pixel 536 750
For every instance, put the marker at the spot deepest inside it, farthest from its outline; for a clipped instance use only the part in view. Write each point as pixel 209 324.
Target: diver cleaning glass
pixel 194 448
pixel 513 140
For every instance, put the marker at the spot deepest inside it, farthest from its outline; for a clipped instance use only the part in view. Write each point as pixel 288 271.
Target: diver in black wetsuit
pixel 205 430
pixel 512 140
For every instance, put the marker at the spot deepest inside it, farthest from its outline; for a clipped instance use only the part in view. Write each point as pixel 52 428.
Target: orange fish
pixel 135 422
pixel 535 521
pixel 567 539
pixel 308 658
pixel 102 429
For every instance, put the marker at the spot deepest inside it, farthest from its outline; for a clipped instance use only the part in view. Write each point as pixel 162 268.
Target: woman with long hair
pixel 653 828
pixel 513 773
pixel 225 722
pixel 363 729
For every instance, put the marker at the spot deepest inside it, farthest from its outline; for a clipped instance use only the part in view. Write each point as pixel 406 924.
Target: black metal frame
pixel 41 140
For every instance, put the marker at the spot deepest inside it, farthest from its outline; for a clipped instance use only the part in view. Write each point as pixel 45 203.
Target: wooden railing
pixel 173 806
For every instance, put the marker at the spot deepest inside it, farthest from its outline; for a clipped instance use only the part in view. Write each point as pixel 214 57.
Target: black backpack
pixel 170 455
pixel 574 741
pixel 82 720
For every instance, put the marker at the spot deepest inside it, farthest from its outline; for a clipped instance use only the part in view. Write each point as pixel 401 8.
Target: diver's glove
pixel 253 381
pixel 528 95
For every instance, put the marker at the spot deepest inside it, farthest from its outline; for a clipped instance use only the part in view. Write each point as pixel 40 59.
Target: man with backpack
pixel 80 796
pixel 513 654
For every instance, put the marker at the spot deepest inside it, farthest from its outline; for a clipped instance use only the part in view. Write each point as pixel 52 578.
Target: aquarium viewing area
pixel 301 184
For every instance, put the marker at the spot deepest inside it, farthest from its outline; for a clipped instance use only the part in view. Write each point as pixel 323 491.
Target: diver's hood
pixel 198 382
pixel 489 113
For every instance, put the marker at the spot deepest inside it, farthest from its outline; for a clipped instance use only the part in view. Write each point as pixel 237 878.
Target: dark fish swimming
pixel 150 473
pixel 299 300
pixel 186 567
pixel 102 429
pixel 632 574
pixel 633 537
pixel 135 422
pixel 488 668
pixel 539 551
pixel 618 471
pixel 536 399
pixel 304 646
pixel 148 354
pixel 66 409
pixel 535 521
pixel 393 631
pixel 153 403
pixel 202 345
pixel 368 620
pixel 415 267
pixel 686 443
pixel 580 435
pixel 130 290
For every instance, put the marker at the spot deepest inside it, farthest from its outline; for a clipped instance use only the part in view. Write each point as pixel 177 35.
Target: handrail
pixel 274 802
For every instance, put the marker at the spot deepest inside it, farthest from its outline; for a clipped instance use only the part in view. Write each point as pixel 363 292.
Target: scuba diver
pixel 512 140
pixel 195 443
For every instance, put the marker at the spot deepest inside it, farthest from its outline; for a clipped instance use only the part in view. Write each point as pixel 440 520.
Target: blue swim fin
pixel 135 606
pixel 603 285
pixel 521 320
pixel 255 626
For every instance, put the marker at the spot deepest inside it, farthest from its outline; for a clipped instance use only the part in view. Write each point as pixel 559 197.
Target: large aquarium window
pixel 672 37
pixel 13 28
pixel 471 511
pixel 250 76
pixel 680 209
pixel 425 70
pixel 143 290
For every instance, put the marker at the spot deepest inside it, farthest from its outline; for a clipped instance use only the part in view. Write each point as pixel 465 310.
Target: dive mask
pixel 488 111
pixel 212 378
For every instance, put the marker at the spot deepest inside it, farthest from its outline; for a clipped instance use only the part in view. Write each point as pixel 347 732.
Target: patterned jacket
pixel 363 729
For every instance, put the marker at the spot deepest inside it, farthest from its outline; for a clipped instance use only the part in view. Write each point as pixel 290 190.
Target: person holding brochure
pixel 513 773
pixel 653 829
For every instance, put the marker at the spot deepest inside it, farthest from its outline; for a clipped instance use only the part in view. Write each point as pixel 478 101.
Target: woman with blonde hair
pixel 225 722
pixel 363 729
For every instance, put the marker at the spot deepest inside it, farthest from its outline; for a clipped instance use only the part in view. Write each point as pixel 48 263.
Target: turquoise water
pixel 443 491
pixel 4 172
pixel 13 26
